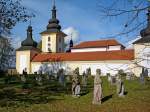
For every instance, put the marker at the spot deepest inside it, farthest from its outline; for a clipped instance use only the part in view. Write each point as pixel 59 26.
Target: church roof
pixel 24 48
pixel 85 56
pixel 98 43
pixel 28 43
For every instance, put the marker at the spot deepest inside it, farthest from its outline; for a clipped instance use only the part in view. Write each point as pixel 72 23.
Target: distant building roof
pixel 98 43
pixel 85 56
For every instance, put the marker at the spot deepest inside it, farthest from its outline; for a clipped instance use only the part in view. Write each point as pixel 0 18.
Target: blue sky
pixel 81 15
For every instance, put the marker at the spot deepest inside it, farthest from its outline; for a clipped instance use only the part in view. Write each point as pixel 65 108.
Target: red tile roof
pixel 95 44
pixel 85 56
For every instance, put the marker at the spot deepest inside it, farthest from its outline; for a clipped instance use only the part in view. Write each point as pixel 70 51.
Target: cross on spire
pixel 53 2
pixel 54 10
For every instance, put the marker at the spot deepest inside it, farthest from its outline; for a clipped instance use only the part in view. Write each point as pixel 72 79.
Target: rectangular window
pixel 49 39
pixel 49 49
pixel 49 44
pixel 59 49
pixel 59 39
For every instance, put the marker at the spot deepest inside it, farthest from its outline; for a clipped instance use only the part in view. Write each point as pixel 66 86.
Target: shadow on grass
pixel 16 97
pixel 26 99
pixel 107 98
pixel 125 93
pixel 84 93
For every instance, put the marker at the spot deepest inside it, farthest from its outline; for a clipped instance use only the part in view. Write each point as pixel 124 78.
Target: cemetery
pixel 36 93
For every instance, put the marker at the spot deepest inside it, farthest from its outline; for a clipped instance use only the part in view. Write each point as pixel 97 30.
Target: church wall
pixel 60 43
pixel 142 58
pixel 106 66
pixel 111 48
pixel 88 49
pixel 22 61
pixel 52 42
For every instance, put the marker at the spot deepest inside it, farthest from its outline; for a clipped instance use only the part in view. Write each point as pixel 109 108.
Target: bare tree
pixel 130 12
pixel 12 12
pixel 6 53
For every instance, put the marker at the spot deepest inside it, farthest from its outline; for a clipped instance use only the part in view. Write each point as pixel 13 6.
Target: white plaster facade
pixel 111 67
pixel 109 48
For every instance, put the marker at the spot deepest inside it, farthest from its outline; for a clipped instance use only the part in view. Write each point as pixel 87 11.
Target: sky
pixel 81 18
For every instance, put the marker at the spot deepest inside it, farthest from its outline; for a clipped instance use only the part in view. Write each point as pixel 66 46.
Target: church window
pixel 49 49
pixel 49 44
pixel 59 39
pixel 49 39
pixel 59 49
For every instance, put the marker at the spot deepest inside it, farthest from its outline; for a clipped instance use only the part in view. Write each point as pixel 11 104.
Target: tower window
pixel 49 38
pixel 49 44
pixel 59 49
pixel 59 39
pixel 49 49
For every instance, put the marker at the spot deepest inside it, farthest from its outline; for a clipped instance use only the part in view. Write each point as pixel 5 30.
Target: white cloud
pixel 72 34
pixel 130 45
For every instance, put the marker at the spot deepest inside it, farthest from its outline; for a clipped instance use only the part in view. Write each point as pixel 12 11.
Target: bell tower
pixel 25 53
pixel 53 37
pixel 142 49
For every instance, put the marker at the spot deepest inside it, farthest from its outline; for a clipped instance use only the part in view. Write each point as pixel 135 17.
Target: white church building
pixel 108 55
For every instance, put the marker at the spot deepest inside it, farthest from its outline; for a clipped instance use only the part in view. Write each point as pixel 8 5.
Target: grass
pixel 52 97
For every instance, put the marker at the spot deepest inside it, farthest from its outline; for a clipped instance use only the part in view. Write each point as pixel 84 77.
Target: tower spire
pixel 54 10
pixel 53 2
pixel 53 22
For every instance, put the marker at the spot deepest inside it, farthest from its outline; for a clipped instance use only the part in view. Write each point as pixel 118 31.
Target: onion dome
pixel 29 40
pixel 53 22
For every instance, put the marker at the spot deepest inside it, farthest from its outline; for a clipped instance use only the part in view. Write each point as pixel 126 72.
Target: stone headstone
pixel 108 77
pixel 88 71
pixel 113 80
pixel 120 87
pixel 77 90
pixel 84 79
pixel 97 88
pixel 61 77
pixel 142 79
pixel 75 83
pixel 129 76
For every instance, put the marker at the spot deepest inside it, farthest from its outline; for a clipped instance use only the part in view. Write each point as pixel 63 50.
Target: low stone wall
pixel 12 72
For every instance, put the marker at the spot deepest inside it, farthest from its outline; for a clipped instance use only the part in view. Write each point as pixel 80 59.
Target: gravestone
pixel 113 80
pixel 120 87
pixel 129 76
pixel 38 76
pixel 108 77
pixel 97 88
pixel 84 79
pixel 24 75
pixel 61 77
pixel 88 71
pixel 75 83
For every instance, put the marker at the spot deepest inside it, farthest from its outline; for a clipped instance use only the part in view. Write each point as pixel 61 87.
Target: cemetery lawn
pixel 51 97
